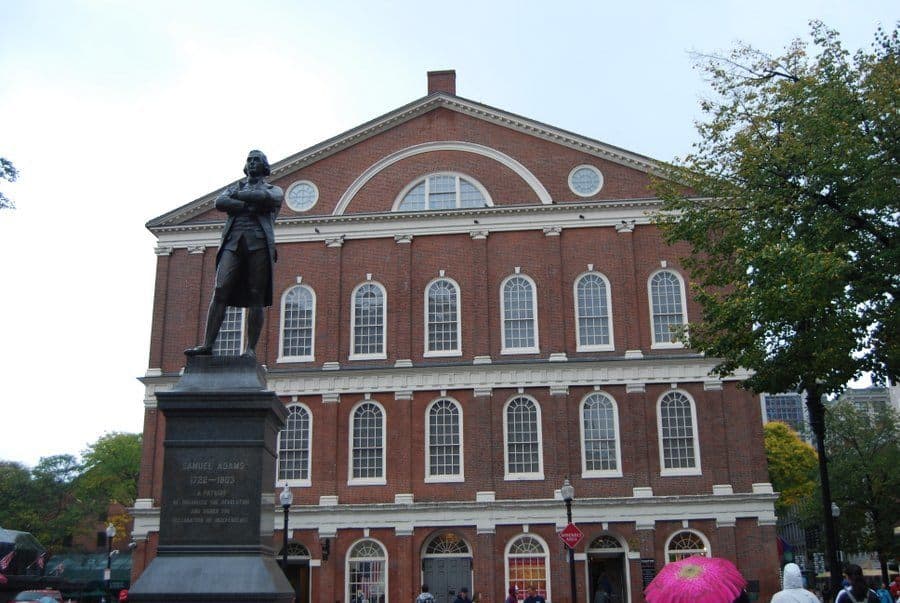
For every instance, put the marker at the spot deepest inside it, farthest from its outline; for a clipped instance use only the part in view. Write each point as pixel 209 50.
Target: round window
pixel 302 195
pixel 585 180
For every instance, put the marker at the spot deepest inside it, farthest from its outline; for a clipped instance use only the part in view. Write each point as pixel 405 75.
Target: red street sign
pixel 571 535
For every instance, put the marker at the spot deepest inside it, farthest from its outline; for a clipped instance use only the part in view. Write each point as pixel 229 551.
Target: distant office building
pixel 870 399
pixel 787 408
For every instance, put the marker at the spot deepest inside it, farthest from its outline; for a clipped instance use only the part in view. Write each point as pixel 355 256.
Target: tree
pixel 864 450
pixel 792 464
pixel 7 172
pixel 789 202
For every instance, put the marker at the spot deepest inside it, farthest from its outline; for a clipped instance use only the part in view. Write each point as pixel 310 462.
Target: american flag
pixel 7 559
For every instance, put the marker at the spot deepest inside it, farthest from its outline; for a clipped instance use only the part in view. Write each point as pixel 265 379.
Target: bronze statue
pixel 247 254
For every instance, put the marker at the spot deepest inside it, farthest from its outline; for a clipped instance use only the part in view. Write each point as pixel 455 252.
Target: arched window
pixel 605 544
pixel 667 312
pixel 294 448
pixel 230 340
pixel 520 328
pixel 686 543
pixel 592 312
pixel 522 432
pixel 445 190
pixel 443 442
pixel 367 444
pixel 369 327
pixel 442 325
pixel 447 545
pixel 295 550
pixel 526 565
pixel 298 311
pixel 600 436
pixel 367 573
pixel 678 446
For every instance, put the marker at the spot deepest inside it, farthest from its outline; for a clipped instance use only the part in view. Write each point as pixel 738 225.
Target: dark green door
pixel 445 576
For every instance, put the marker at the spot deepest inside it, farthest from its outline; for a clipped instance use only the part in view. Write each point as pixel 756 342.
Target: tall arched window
pixel 443 442
pixel 230 340
pixel 522 432
pixel 592 311
pixel 442 324
pixel 445 190
pixel 679 449
pixel 367 444
pixel 294 448
pixel 298 310
pixel 526 565
pixel 686 543
pixel 667 312
pixel 519 308
pixel 367 573
pixel 600 436
pixel 369 327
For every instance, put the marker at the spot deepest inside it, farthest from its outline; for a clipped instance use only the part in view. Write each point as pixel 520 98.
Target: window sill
pixel 443 354
pixel 444 479
pixel 287 359
pixel 680 472
pixel 367 357
pixel 367 482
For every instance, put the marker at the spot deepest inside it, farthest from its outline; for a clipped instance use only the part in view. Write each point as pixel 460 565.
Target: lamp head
pixel 110 531
pixel 286 497
pixel 567 491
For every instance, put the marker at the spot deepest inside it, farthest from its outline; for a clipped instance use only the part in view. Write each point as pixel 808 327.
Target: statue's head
pixel 259 158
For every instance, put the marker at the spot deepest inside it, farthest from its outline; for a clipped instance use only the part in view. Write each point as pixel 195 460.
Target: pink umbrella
pixel 3 579
pixel 696 580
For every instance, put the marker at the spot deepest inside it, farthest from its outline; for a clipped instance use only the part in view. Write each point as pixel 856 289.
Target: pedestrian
pixel 532 597
pixel 858 591
pixel 512 598
pixel 425 596
pixel 463 596
pixel 792 587
pixel 895 587
pixel 884 594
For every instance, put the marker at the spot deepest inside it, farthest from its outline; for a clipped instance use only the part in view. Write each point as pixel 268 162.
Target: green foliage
pixel 792 465
pixel 7 172
pixel 790 205
pixel 864 454
pixel 62 497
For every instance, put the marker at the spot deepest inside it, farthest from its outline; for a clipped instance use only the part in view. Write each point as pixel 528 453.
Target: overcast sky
pixel 116 112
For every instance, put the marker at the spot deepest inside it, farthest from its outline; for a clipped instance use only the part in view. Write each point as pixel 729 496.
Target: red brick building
pixel 471 307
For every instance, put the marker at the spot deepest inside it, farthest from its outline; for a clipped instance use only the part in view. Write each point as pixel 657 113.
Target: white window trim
pixel 487 198
pixel 536 348
pixel 367 481
pixel 243 329
pixel 697 469
pixel 443 353
pixel 579 347
pixel 312 347
pixel 547 568
pixel 436 479
pixel 607 472
pixel 671 536
pixel 538 475
pixel 287 194
pixel 594 169
pixel 384 324
pixel 655 345
pixel 297 483
pixel 387 566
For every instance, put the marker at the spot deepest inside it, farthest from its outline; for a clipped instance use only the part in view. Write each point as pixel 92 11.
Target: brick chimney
pixel 442 81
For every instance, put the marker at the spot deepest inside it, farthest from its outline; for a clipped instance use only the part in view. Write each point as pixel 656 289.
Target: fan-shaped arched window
pixel 443 441
pixel 605 543
pixel 298 307
pixel 369 327
pixel 678 446
pixel 230 340
pixel 666 291
pixel 442 324
pixel 519 307
pixel 685 544
pixel 446 545
pixel 367 444
pixel 600 436
pixel 295 550
pixel 526 565
pixel 592 311
pixel 522 430
pixel 294 448
pixel 442 191
pixel 367 573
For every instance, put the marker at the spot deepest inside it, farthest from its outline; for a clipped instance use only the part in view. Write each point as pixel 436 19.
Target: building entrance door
pixel 445 576
pixel 607 571
pixel 298 575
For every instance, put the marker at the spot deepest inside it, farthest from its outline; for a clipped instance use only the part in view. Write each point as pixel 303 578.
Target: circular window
pixel 302 195
pixel 585 180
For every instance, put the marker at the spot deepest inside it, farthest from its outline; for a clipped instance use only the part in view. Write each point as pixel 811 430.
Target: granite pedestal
pixel 218 503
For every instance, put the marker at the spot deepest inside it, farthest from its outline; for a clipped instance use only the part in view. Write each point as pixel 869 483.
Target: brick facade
pixel 536 227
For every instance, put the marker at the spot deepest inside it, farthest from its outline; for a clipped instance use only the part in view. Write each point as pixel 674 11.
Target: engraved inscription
pixel 210 497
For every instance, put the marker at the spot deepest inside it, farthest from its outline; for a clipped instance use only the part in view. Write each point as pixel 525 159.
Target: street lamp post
pixel 110 534
pixel 568 494
pixel 287 498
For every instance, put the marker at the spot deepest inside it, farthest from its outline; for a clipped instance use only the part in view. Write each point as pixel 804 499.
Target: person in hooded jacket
pixel 793 591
